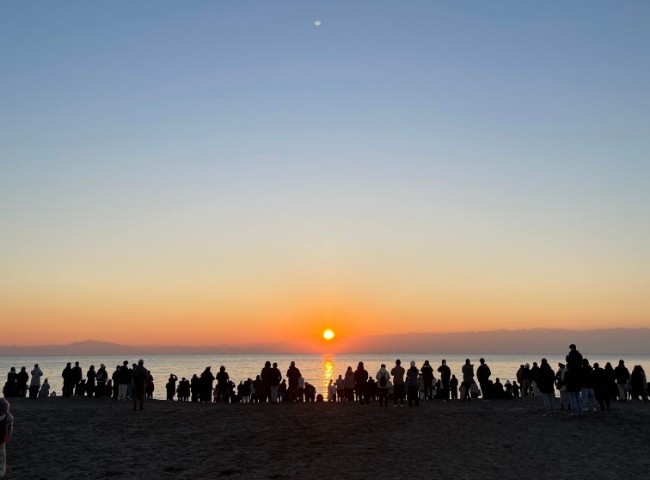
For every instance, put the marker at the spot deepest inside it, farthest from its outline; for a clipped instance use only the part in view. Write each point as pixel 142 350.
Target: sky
pixel 228 172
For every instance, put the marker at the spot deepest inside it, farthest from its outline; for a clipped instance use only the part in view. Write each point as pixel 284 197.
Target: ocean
pixel 317 369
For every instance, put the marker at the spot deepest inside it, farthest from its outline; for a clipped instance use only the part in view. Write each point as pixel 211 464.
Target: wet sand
pixel 59 438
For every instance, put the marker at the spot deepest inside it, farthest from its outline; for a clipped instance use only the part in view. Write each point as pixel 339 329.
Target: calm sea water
pixel 316 369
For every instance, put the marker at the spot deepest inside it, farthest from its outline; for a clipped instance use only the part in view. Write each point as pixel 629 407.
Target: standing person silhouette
pixel 349 384
pixel 445 377
pixel 412 379
pixel 68 380
pixel 427 377
pixel 265 376
pixel 125 379
pixel 383 379
pixel 483 373
pixel 468 378
pixel 222 385
pixel 622 375
pixel 140 378
pixel 35 384
pixel 6 430
pixel 399 391
pixel 361 384
pixel 293 374
pixel 545 379
pixel 206 385
pixel 275 379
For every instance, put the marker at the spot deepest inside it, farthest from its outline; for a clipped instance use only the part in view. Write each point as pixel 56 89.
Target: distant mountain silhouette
pixel 631 341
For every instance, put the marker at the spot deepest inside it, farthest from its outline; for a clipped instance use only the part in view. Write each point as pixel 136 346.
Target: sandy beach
pixel 59 438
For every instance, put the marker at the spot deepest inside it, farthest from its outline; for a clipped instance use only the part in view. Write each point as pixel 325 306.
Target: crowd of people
pixel 580 385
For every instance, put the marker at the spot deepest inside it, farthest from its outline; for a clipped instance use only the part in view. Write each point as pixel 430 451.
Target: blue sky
pixel 472 137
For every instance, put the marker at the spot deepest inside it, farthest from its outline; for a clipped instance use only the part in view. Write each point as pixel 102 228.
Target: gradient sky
pixel 211 172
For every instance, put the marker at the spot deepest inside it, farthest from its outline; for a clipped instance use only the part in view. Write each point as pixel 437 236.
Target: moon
pixel 328 334
pixel 317 22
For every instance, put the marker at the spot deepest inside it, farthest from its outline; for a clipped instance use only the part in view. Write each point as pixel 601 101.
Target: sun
pixel 328 334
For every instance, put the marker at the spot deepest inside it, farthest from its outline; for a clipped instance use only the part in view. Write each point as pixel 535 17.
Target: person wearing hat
pixel 35 384
pixel 412 383
pixel 6 430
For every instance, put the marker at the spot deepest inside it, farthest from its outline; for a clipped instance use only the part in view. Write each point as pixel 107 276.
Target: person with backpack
pixel 383 379
pixel 140 377
pixel 35 384
pixel 6 430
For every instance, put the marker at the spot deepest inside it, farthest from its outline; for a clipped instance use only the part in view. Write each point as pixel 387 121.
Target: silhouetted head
pixel 413 363
pixel 76 364
pixel 534 364
pixel 134 365
pixel 585 362
pixel 349 369
pixel 360 366
pixel 267 364
pixel 596 365
pixel 467 361
pixel 125 362
pixel 482 360
pixel 497 380
pixel 572 347
pixel 183 378
pixel 426 362
pixel 621 362
pixel 340 376
pixel 383 365
pixel 140 362
pixel 544 362
pixel 257 378
pixel 12 369
pixel 92 367
pixel 222 368
pixel 293 364
pixel 444 362
pixel 275 365
pixel 398 362
pixel 453 376
pixel 527 365
pixel 68 364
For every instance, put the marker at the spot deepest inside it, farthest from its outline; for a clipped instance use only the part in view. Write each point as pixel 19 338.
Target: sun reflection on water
pixel 328 373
